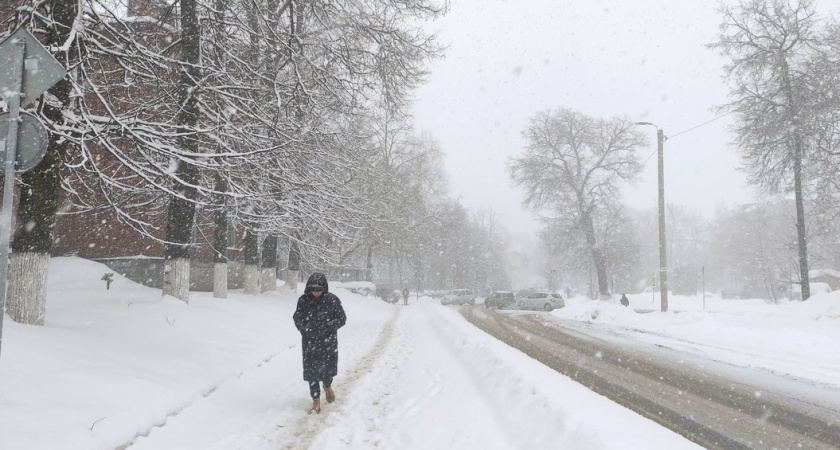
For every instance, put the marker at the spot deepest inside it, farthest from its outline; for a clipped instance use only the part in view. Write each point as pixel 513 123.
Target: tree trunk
pixel 220 243
pixel 33 234
pixel 269 267
pixel 252 263
pixel 293 269
pixel 176 278
pixel 32 241
pixel 597 256
pixel 369 264
pixel 220 280
pixel 804 276
pixel 28 276
pixel 801 238
pixel 179 225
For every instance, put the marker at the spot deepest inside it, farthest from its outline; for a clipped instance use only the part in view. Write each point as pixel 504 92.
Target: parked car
pixel 541 300
pixel 500 299
pixel 459 297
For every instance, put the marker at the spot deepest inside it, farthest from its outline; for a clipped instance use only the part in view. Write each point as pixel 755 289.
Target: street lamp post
pixel 663 266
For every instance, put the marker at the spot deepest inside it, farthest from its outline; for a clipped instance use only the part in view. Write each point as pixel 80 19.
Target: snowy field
pixel 125 368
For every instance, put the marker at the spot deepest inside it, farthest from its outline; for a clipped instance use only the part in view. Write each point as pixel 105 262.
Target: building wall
pixel 149 272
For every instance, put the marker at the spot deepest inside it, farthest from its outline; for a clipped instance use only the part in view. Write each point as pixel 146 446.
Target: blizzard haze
pixel 645 60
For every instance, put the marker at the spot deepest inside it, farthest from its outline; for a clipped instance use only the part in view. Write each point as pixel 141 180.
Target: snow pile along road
pixel 794 340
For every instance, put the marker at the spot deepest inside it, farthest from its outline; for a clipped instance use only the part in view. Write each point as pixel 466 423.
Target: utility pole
pixel 663 264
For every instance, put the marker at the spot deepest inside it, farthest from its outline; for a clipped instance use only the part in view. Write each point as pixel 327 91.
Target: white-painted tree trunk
pixel 220 279
pixel 292 280
pixel 26 297
pixel 176 278
pixel 268 280
pixel 251 283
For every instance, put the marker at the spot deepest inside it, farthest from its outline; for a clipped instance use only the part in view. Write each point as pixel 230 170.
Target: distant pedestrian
pixel 568 292
pixel 624 301
pixel 405 296
pixel 318 317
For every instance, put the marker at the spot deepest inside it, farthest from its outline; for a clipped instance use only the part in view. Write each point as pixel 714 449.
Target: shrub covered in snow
pixel 365 288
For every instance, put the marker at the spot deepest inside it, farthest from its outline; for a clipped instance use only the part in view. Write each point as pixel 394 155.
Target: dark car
pixel 524 293
pixel 500 299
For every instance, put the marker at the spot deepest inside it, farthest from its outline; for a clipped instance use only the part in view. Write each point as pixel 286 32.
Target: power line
pixel 669 137
pixel 673 136
pixel 702 124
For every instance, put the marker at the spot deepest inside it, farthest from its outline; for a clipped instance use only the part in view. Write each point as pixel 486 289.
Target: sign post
pixel 33 70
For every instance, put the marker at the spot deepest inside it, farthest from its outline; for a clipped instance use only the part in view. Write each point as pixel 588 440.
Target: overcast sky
pixel 645 60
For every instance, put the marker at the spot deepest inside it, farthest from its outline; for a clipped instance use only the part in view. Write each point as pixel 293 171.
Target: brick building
pixel 96 232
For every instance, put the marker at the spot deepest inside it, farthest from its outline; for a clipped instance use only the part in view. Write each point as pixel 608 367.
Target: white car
pixel 541 300
pixel 459 297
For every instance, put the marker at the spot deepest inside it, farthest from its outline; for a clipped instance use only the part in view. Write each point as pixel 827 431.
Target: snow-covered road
pixel 686 393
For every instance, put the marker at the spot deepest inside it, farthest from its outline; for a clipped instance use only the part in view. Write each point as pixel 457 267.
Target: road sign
pixel 31 144
pixel 40 69
pixel 449 282
pixel 27 70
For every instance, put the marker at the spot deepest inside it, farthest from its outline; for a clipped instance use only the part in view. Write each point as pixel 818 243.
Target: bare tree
pixel 574 165
pixel 825 72
pixel 754 251
pixel 687 246
pixel 770 45
pixel 327 67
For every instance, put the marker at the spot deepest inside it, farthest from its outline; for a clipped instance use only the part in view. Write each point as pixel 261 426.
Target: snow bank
pixel 365 288
pixel 559 412
pixel 794 339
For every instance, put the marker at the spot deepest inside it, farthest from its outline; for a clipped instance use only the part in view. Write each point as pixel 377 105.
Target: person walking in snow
pixel 405 296
pixel 318 317
pixel 624 301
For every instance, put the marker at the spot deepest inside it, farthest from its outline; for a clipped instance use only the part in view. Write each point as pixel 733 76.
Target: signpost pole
pixel 13 101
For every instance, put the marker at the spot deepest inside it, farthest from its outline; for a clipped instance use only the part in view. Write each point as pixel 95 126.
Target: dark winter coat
pixel 318 320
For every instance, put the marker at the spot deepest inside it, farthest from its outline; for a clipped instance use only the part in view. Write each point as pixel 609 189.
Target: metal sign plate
pixel 32 141
pixel 40 69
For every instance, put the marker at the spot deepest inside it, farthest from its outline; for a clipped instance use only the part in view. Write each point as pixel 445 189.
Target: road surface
pixel 706 406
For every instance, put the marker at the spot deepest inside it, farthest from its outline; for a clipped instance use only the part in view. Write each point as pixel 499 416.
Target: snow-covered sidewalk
pixel 119 366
